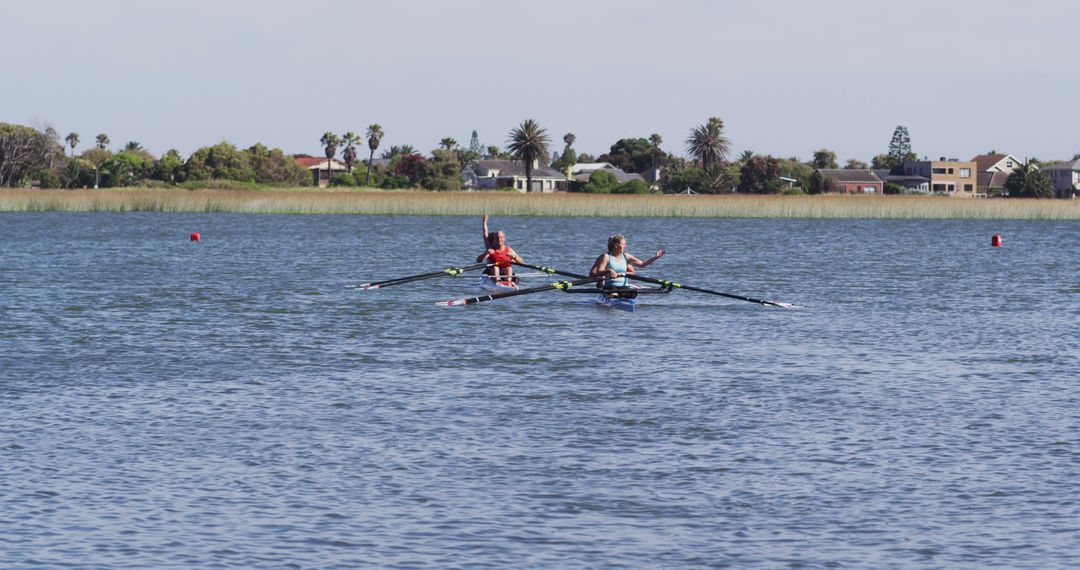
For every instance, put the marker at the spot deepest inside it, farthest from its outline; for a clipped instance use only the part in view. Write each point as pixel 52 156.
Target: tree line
pixel 28 154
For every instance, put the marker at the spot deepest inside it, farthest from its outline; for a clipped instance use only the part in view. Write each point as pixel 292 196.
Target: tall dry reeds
pixel 515 204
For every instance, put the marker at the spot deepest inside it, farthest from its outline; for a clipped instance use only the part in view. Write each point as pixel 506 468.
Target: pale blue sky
pixel 788 77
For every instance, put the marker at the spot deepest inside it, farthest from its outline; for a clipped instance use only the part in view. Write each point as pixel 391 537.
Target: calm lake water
pixel 231 404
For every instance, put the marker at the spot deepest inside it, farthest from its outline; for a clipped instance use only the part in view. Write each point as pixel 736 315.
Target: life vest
pixel 501 258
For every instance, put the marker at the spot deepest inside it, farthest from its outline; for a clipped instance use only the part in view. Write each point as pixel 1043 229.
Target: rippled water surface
pixel 231 404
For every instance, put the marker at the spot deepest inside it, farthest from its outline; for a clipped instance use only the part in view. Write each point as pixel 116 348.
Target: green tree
pixel 824 158
pixel 855 164
pixel 708 144
pixel 528 143
pixel 900 147
pixel 73 140
pixel 746 155
pixel 273 166
pixel 330 142
pixel 123 169
pixel 630 155
pixel 396 151
pixel 569 157
pixel 448 143
pixel 23 151
pixel 1029 182
pixel 601 182
pixel 102 141
pixel 631 187
pixel 374 137
pixel 442 172
pixel 220 162
pixel 350 139
pixel 169 168
pixel 133 146
pixel 760 175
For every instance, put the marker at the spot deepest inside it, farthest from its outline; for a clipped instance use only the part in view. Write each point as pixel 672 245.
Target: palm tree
pixel 528 143
pixel 708 144
pixel 73 141
pixel 374 136
pixel 569 139
pixel 656 140
pixel 330 141
pixel 746 155
pixel 448 143
pixel 102 141
pixel 349 139
pixel 133 146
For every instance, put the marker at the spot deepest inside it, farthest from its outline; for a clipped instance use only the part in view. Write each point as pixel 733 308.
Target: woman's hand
pixel 659 253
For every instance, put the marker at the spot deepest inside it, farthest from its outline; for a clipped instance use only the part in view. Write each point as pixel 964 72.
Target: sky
pixel 788 77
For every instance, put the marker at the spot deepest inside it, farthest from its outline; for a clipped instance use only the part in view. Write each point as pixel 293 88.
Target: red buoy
pixel 195 236
pixel 996 240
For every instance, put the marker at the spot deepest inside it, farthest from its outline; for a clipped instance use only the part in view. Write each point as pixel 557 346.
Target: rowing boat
pixel 616 301
pixel 489 285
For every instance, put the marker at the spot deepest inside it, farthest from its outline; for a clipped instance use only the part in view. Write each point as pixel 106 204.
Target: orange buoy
pixel 195 236
pixel 996 240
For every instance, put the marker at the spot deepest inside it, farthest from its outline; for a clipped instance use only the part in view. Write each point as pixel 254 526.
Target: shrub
pixel 343 179
pixel 631 187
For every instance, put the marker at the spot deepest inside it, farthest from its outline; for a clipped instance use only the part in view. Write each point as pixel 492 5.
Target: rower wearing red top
pixel 500 255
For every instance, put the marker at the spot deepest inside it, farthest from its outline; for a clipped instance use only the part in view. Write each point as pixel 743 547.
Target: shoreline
pixel 378 202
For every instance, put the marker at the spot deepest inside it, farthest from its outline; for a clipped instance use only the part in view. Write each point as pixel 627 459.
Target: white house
pixel 492 174
pixel 1066 177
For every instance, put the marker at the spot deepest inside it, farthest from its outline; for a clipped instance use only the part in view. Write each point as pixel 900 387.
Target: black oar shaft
pixel 667 284
pixel 672 284
pixel 564 285
pixel 451 271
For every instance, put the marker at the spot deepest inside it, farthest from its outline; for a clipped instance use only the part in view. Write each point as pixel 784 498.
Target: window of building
pixel 939 171
pixel 965 173
pixel 967 187
pixel 950 171
pixel 939 187
pixel 869 189
pixel 1008 164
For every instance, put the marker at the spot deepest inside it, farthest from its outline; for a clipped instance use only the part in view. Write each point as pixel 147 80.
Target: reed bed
pixel 515 204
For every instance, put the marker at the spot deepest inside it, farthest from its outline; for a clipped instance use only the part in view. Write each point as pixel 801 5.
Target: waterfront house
pixel 854 180
pixel 992 170
pixel 318 167
pixel 492 174
pixel 912 183
pixel 950 177
pixel 583 171
pixel 1066 177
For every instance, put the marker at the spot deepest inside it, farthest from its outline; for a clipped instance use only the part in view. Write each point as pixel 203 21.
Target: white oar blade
pixel 453 303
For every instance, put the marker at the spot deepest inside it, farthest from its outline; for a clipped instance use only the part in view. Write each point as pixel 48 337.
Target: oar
pixel 451 271
pixel 669 284
pixel 549 270
pixel 563 285
pixel 674 285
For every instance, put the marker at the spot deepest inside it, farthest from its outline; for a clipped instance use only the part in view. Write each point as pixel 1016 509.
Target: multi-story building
pixel 951 176
pixel 992 170
pixel 1066 177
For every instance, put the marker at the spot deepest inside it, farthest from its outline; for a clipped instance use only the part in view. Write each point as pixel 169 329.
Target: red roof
pixel 309 161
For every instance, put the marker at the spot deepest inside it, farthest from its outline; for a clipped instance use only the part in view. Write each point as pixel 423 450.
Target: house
pixel 1066 177
pixel 583 171
pixel 318 167
pixel 855 180
pixel 992 170
pixel 511 174
pixel 914 183
pixel 949 177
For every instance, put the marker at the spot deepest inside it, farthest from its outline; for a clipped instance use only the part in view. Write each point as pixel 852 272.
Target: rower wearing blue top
pixel 617 262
